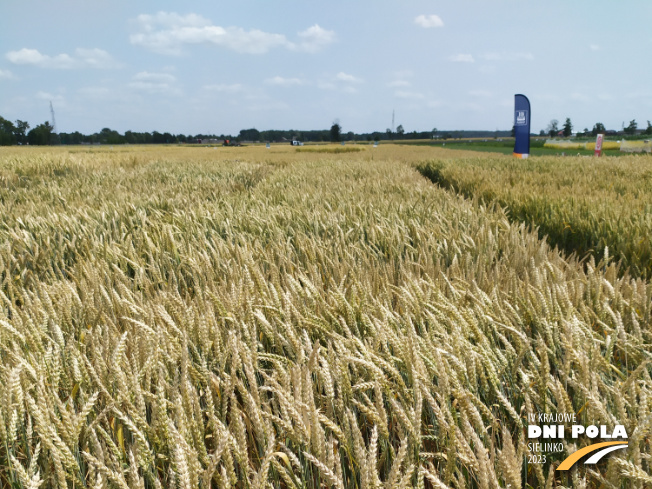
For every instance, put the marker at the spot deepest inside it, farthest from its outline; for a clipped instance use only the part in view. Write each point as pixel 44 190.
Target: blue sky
pixel 218 67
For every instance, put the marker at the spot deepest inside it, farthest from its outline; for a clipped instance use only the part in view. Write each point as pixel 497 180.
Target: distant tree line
pixel 566 131
pixel 43 134
pixel 110 136
pixel 19 132
pixel 336 134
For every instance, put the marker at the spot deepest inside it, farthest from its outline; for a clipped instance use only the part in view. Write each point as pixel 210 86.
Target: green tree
pixel 553 128
pixel 131 137
pixel 336 131
pixel 598 128
pixel 649 128
pixel 7 132
pixel 631 129
pixel 400 131
pixel 158 138
pixel 71 138
pixel 249 135
pixel 41 135
pixel 568 128
pixel 110 136
pixel 21 131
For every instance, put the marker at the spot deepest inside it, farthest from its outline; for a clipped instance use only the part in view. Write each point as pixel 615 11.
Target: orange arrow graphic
pixel 574 457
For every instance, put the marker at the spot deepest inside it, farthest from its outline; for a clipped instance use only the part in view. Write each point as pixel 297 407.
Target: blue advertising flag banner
pixel 521 126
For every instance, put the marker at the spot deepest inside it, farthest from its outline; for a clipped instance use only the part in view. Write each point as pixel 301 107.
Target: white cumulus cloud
pixel 314 39
pixel 345 77
pixel 27 56
pixel 170 20
pixel 167 33
pixel 83 58
pixel 342 82
pixel 429 21
pixel 462 58
pixel 95 58
pixel 6 75
pixel 284 82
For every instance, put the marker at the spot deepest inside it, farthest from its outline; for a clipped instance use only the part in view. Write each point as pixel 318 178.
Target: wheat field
pixel 580 204
pixel 252 318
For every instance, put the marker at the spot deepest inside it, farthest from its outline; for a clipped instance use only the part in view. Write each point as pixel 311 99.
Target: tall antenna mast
pixel 54 122
pixel 392 118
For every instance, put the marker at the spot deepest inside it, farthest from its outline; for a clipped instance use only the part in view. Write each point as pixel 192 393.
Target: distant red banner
pixel 598 145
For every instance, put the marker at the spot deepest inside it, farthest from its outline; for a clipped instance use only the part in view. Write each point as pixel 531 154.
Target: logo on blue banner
pixel 521 117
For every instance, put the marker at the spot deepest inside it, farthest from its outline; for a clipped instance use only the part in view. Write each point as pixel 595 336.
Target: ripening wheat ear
pixel 325 471
pixel 509 462
pixel 29 477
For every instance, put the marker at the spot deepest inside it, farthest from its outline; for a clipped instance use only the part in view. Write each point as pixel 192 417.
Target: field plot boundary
pixel 574 219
